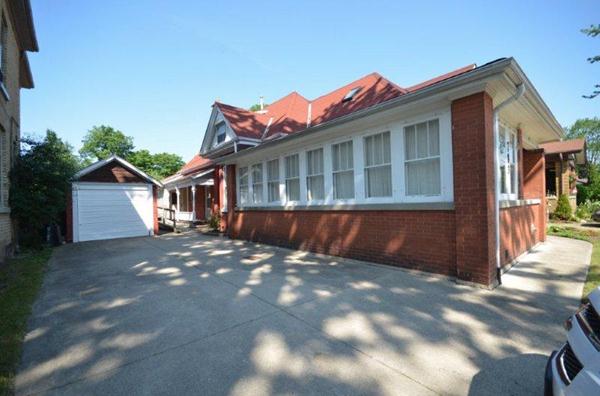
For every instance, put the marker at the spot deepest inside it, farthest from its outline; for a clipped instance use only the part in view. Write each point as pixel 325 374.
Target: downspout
pixel 516 96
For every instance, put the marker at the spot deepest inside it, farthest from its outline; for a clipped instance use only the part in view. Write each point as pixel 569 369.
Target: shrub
pixel 563 208
pixel 586 209
pixel 215 222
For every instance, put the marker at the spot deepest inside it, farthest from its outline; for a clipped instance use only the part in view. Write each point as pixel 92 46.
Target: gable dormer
pixel 219 134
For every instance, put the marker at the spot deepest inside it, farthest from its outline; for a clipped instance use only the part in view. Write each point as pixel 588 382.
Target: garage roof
pixel 122 162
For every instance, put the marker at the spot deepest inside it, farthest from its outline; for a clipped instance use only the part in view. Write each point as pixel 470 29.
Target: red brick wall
pixel 518 231
pixel 416 239
pixel 155 209
pixel 534 185
pixel 112 173
pixel 474 201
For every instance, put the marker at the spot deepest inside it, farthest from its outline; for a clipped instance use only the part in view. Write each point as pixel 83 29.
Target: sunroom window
pixel 343 170
pixel 292 178
pixel 422 159
pixel 273 180
pixel 315 182
pixel 257 183
pixel 378 165
pixel 244 185
pixel 508 158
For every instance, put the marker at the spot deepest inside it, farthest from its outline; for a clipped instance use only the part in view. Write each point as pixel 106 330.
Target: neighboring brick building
pixel 17 36
pixel 402 176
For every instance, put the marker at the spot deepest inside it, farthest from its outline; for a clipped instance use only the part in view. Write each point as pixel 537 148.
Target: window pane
pixel 387 148
pixel 244 185
pixel 291 166
pixel 273 170
pixel 257 183
pixel 315 186
pixel 423 177
pixel 434 138
pixel 343 185
pixel 422 146
pixel 314 162
pixel 410 143
pixel 378 181
pixel 273 178
pixel 292 189
pixel 273 191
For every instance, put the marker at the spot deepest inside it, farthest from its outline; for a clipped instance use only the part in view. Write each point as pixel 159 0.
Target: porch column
pixel 194 202
pixel 178 199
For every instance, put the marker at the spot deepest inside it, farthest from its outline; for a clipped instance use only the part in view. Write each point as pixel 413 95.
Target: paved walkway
pixel 192 314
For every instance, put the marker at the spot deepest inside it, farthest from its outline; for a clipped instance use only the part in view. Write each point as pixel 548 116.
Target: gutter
pixel 518 94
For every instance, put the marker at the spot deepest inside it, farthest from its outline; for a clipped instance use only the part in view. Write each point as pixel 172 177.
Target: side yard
pixel 20 281
pixel 590 234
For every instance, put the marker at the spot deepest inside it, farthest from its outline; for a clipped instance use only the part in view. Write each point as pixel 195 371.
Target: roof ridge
pixel 442 77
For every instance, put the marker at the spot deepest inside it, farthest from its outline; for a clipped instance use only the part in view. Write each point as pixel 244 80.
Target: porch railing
pixel 167 217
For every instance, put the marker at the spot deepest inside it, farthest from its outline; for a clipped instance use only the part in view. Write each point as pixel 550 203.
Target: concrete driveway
pixel 192 314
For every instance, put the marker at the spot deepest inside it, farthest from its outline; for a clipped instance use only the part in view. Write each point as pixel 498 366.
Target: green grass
pixel 593 277
pixel 20 280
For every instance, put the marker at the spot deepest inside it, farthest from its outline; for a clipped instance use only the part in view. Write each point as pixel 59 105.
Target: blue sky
pixel 153 68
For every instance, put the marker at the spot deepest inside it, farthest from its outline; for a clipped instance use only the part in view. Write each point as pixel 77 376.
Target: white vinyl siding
pixel 273 180
pixel 422 158
pixel 244 192
pixel 378 165
pixel 257 183
pixel 342 157
pixel 315 180
pixel 292 178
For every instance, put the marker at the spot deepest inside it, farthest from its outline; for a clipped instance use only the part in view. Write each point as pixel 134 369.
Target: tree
pixel 158 165
pixel 103 141
pixel 40 182
pixel 588 129
pixel 256 107
pixel 593 31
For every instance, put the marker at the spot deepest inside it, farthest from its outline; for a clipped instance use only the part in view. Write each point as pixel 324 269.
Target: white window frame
pixel 505 174
pixel 256 184
pixel 357 136
pixel 273 181
pixel 383 164
pixel 247 184
pixel 353 170
pixel 288 179
pixel 315 175
pixel 429 157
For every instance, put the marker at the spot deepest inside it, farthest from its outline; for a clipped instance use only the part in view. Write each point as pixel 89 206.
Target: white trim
pixel 396 130
pixel 101 163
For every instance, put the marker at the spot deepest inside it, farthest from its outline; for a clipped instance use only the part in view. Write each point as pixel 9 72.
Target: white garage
pixel 113 199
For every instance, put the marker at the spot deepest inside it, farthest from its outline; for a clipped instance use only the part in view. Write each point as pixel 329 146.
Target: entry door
pixel 208 209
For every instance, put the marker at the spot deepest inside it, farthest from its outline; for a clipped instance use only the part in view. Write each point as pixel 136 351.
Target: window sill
pixel 4 210
pixel 511 203
pixel 350 207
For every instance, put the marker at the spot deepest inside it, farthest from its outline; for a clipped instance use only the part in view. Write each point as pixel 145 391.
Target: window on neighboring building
pixel 257 183
pixel 422 158
pixel 273 180
pixel 292 178
pixel 343 170
pixel 315 181
pixel 378 165
pixel 3 48
pixel 244 185
pixel 508 149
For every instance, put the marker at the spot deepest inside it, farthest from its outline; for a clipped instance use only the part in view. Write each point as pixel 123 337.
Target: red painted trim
pixel 155 208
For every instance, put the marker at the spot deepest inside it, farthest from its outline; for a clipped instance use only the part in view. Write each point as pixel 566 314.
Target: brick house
pixel 446 176
pixel 17 36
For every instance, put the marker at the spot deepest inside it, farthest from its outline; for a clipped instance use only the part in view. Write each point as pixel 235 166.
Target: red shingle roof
pixel 290 114
pixel 195 164
pixel 565 146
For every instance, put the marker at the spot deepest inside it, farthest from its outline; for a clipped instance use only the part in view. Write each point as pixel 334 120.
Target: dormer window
pixel 220 133
pixel 351 94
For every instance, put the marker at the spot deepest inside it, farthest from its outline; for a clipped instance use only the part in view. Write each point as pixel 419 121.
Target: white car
pixel 575 368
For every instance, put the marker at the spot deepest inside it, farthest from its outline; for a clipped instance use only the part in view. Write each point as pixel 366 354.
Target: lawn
pixel 592 236
pixel 20 280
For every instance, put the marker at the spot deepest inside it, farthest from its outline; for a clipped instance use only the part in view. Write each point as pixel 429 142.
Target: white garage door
pixel 111 210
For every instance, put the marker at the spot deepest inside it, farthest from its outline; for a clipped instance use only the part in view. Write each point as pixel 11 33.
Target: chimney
pixel 262 103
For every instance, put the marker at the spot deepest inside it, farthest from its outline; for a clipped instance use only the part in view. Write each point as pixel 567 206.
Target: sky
pixel 152 69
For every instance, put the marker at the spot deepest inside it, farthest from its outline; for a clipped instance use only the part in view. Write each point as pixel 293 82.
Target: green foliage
pixel 563 209
pixel 256 107
pixel 103 141
pixel 593 31
pixel 20 280
pixel 158 165
pixel 215 222
pixel 40 184
pixel 586 209
pixel 588 129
